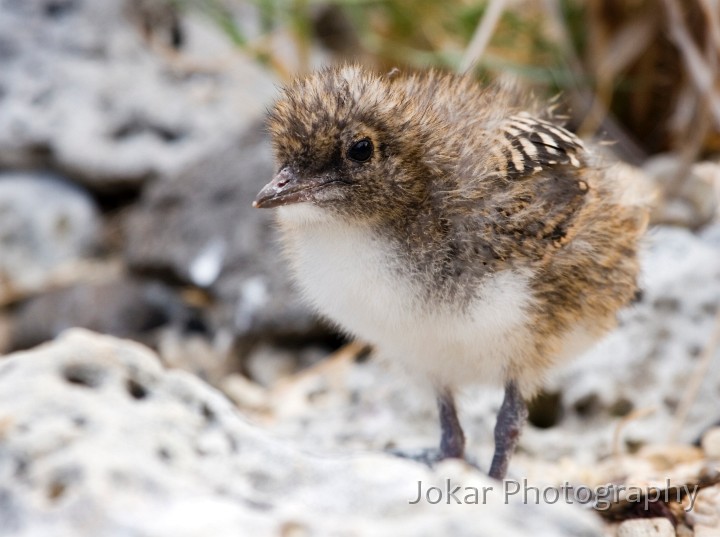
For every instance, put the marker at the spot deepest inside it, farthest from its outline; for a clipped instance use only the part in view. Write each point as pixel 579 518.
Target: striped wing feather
pixel 528 145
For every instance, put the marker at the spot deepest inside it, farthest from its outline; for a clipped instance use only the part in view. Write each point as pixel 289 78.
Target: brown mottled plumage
pixel 435 218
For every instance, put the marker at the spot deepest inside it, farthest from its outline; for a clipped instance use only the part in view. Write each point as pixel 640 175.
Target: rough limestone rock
pixel 97 439
pixel 200 228
pixel 89 87
pixel 46 223
pixel 121 307
pixel 646 527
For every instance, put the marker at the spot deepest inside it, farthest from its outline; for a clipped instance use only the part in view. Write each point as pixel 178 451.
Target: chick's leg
pixel 452 440
pixel 511 418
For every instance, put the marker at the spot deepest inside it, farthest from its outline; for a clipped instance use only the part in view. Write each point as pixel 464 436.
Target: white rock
pixel 97 439
pixel 45 223
pixel 81 89
pixel 691 195
pixel 705 514
pixel 646 527
pixel 711 443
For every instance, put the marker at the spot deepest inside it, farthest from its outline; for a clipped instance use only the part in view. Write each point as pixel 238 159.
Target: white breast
pixel 347 274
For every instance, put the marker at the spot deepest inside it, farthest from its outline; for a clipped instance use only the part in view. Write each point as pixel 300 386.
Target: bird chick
pixel 463 237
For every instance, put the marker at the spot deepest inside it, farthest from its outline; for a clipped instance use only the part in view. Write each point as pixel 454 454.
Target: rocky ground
pixel 131 146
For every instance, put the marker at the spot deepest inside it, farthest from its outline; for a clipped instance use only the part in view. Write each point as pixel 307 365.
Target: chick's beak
pixel 286 188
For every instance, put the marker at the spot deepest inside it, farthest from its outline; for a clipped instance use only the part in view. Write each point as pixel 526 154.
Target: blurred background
pixel 132 145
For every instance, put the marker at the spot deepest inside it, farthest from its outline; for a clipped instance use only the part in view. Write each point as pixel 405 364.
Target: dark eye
pixel 361 150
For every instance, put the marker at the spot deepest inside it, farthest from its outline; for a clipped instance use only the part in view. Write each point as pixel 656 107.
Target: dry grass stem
pixel 481 37
pixel 700 71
